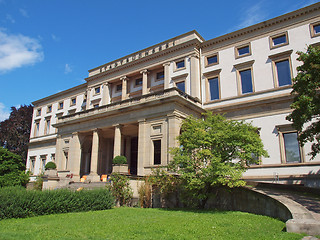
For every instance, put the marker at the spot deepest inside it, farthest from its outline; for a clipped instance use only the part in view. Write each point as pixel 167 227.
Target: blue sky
pixel 49 46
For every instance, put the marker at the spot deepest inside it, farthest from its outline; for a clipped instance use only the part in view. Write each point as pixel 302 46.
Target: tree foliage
pixel 15 131
pixel 120 188
pixel 12 169
pixel 306 103
pixel 213 151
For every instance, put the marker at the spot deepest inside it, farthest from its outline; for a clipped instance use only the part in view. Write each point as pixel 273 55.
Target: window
pixel 212 60
pixel 32 164
pixel 214 92
pixel 119 88
pixel 73 101
pixel 97 90
pixel 279 40
pixel 53 157
pixel 138 82
pixel 281 66
pixel 43 162
pixel 66 157
pixel 243 50
pixel 315 29
pixel 157 152
pixel 181 86
pixel 246 81
pixel 47 128
pixel 49 109
pixel 36 128
pixel 38 111
pixel 160 75
pixel 60 105
pixel 290 150
pixel 180 64
pixel 96 105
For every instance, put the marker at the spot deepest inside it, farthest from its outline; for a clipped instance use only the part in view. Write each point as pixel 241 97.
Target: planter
pixel 120 168
pixel 51 173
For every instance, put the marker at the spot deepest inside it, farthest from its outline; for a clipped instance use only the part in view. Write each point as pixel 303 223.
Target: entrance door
pixel 134 156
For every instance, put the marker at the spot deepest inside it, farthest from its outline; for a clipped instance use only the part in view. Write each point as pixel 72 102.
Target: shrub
pixel 119 160
pixel 38 183
pixel 17 202
pixel 120 188
pixel 50 165
pixel 144 191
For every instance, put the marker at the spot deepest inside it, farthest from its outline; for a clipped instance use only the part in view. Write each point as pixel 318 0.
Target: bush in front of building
pixel 50 165
pixel 17 202
pixel 119 186
pixel 119 160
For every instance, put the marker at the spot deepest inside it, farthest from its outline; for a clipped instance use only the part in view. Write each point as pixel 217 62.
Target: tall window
pixel 32 164
pixel 60 106
pixel 43 162
pixel 292 148
pixel 214 88
pixel 156 152
pixel 181 86
pixel 246 81
pixel 283 72
pixel 36 128
pixel 47 129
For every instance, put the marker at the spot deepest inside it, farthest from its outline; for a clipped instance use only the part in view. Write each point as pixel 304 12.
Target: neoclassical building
pixel 134 105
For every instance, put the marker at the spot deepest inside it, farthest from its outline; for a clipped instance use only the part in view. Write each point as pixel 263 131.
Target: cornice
pixel 266 24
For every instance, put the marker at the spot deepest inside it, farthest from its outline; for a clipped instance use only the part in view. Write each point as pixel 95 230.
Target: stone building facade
pixel 134 105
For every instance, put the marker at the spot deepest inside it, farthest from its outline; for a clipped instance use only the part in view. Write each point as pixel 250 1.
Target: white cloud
pixel 55 38
pixel 24 12
pixel 252 15
pixel 17 51
pixel 67 69
pixel 10 18
pixel 4 114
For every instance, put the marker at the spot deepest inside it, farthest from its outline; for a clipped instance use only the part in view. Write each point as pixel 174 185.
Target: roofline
pixel 59 93
pixel 264 24
pixel 155 45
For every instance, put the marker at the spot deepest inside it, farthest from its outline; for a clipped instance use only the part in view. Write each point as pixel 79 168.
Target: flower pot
pixel 120 168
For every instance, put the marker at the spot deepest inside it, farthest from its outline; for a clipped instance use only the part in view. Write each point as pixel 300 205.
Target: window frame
pixel 153 151
pixel 75 101
pixel 38 113
pixel 159 79
pixel 97 90
pixel 49 108
pixel 312 32
pixel 47 125
pixel 208 76
pixel 36 132
pixel 135 82
pixel 210 56
pixel 243 67
pixel 271 38
pixel 236 50
pixel 116 88
pixel 283 129
pixel 179 61
pixel 278 58
pixel 32 163
pixel 59 105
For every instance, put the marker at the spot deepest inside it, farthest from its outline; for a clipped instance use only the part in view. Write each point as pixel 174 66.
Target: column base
pixel 93 177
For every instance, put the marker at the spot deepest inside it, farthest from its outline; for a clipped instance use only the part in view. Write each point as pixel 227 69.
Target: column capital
pixel 195 55
pixel 144 71
pixel 118 125
pixel 166 64
pixel 105 84
pixel 124 78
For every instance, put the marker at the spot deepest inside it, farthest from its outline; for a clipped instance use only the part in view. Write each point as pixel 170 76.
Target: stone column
pixel 93 176
pixel 141 147
pixel 166 75
pixel 124 87
pixel 59 153
pixel 195 76
pixel 174 123
pixel 144 81
pixel 105 93
pixel 88 98
pixel 117 140
pixel 75 156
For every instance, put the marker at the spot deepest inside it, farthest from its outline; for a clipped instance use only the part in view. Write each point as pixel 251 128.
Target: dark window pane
pixel 214 88
pixel 181 86
pixel 157 151
pixel 279 40
pixel 180 64
pixel 292 148
pixel 139 82
pixel 97 90
pixel 243 50
pixel 213 59
pixel 119 87
pixel 246 81
pixel 316 28
pixel 283 72
pixel 160 75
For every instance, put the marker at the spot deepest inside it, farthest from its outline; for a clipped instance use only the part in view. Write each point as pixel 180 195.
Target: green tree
pixel 15 131
pixel 306 103
pixel 12 169
pixel 213 152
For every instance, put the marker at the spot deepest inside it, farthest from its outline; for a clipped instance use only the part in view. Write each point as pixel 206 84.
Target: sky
pixel 49 46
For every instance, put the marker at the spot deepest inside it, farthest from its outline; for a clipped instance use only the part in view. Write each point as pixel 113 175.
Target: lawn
pixel 137 223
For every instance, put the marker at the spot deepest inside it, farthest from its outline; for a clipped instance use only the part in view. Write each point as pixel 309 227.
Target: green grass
pixel 137 223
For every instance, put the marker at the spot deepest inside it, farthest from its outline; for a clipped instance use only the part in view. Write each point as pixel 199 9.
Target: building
pixel 134 105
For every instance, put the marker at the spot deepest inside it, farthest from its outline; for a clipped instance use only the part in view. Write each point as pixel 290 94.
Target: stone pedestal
pixel 120 168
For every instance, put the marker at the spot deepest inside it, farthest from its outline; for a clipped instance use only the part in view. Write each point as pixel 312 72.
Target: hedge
pixel 17 202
